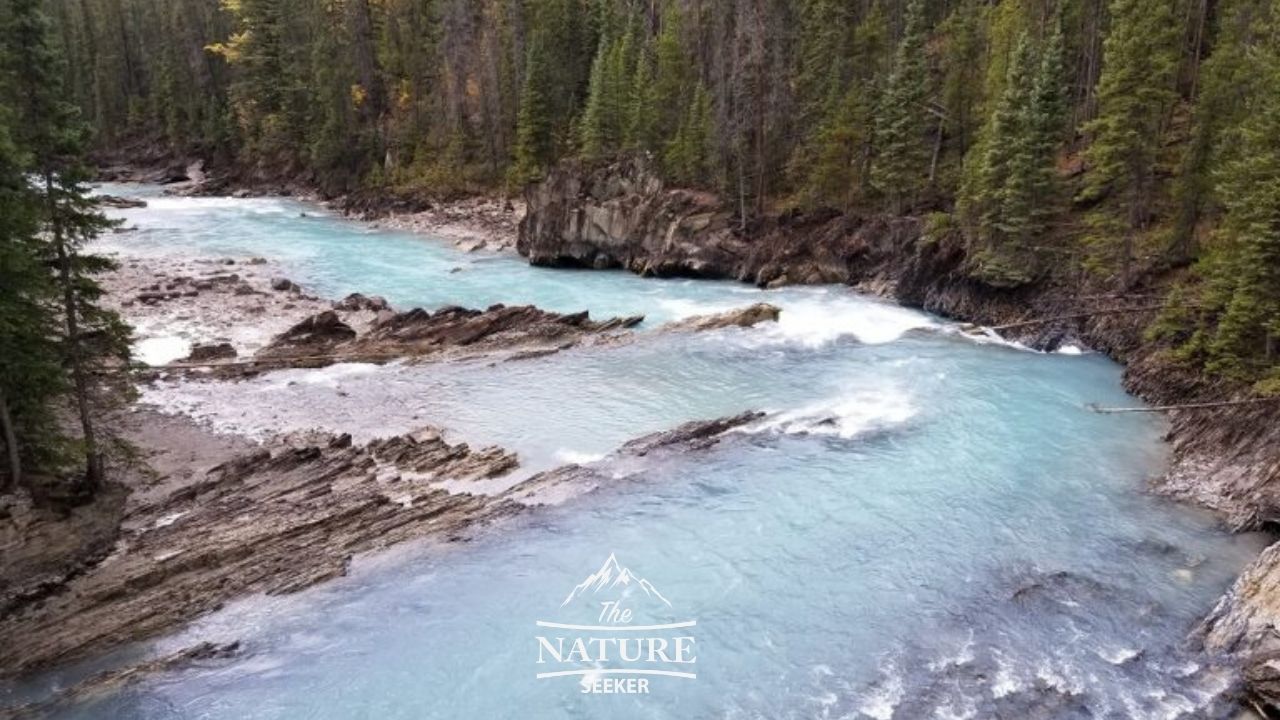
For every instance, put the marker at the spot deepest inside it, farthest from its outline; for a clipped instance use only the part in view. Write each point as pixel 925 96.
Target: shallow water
pixel 922 527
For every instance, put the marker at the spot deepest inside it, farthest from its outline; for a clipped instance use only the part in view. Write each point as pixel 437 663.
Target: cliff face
pixel 1225 458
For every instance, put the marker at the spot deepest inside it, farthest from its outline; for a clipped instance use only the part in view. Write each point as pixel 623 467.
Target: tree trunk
pixel 93 462
pixel 11 446
pixel 937 151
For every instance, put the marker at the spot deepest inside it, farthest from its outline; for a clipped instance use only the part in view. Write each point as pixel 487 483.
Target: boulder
pixel 319 334
pixel 746 317
pixel 356 302
pixel 281 284
pixel 115 201
pixel 211 351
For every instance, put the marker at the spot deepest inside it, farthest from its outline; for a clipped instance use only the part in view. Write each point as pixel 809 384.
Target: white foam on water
pixel 963 656
pixel 261 206
pixel 814 317
pixel 951 712
pixel 845 417
pixel 881 702
pixel 1005 682
pixel 1071 349
pixel 1118 655
pixel 576 457
pixel 161 350
pixel 330 376
pixel 820 321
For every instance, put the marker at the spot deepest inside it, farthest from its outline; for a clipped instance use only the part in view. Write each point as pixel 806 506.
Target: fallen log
pixel 1186 406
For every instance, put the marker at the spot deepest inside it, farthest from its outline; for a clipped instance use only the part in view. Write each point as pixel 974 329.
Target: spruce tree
pixel 534 145
pixel 1007 139
pixel 1047 118
pixel 671 79
pixel 901 150
pixel 53 136
pixel 1247 338
pixel 31 377
pixel 595 140
pixel 1135 94
pixel 642 106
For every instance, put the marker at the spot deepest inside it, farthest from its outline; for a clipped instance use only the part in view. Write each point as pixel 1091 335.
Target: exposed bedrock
pixel 448 333
pixel 277 520
pixel 746 317
pixel 621 216
pixel 271 520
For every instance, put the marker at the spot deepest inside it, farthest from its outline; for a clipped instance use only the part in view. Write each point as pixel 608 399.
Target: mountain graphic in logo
pixel 613 576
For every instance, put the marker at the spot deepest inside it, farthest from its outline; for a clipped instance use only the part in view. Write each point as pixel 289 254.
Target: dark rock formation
pixel 695 435
pixel 319 334
pixel 451 332
pixel 356 302
pixel 115 201
pixel 211 351
pixel 282 284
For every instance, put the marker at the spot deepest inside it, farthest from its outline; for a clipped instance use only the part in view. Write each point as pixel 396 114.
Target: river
pixel 924 526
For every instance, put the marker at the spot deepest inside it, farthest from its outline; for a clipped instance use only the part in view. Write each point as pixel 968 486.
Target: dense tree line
pixel 57 344
pixel 1118 137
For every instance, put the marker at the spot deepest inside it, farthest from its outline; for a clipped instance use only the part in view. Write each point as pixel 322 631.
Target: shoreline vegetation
pixel 1109 165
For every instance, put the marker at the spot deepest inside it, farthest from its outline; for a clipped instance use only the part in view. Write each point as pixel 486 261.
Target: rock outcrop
pixel 746 317
pixel 451 332
pixel 278 520
pixel 555 486
pixel 621 216
pixel 1245 624
pixel 115 201
pixel 272 521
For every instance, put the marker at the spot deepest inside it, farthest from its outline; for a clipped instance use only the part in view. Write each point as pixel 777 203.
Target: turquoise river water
pixel 924 526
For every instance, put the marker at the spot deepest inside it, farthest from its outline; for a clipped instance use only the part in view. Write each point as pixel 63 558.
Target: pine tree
pixel 902 154
pixel 55 140
pixel 1047 118
pixel 671 79
pixel 687 157
pixel 1135 94
pixel 534 145
pixel 593 129
pixel 604 119
pixel 31 378
pixel 642 108
pixel 1247 339
pixel 1007 140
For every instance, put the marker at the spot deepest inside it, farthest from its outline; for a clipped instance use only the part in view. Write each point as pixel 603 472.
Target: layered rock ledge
pixel 278 520
pixel 271 520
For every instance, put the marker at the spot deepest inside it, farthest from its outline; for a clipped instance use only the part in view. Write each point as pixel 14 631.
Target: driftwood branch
pixel 1186 406
pixel 285 361
pixel 1077 316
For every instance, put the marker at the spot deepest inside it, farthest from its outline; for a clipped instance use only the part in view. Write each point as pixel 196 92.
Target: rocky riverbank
pixel 193 518
pixel 1224 457
pixel 275 519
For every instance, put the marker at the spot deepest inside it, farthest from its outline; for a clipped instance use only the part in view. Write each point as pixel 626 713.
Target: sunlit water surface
pixel 923 527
